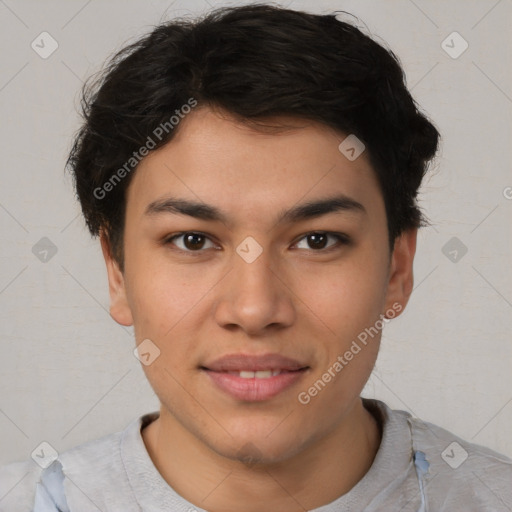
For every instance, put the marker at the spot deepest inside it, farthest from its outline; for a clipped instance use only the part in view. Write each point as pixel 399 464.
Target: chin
pixel 254 447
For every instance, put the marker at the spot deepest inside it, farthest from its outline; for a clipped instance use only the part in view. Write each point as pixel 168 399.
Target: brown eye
pixel 318 241
pixel 191 242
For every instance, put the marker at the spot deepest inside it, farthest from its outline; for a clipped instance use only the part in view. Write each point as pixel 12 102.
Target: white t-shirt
pixel 419 467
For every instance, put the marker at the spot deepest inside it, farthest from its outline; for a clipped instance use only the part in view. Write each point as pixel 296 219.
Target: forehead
pixel 217 159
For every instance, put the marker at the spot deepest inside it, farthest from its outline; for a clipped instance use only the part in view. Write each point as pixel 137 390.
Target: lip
pixel 254 389
pixel 253 363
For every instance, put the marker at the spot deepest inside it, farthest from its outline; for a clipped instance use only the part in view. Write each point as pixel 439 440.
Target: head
pixel 236 127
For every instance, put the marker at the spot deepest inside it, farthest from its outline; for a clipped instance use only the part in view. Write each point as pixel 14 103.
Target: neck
pixel 328 468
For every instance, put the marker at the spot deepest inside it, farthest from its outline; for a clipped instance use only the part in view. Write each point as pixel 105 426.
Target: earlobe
pixel 401 278
pixel 119 308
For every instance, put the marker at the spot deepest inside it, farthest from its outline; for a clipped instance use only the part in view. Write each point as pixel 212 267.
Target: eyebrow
pixel 301 212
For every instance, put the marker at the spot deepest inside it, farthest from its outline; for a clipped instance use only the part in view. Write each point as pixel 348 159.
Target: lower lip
pixel 254 390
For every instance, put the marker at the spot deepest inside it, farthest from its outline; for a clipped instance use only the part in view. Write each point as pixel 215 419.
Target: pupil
pixel 318 240
pixel 191 241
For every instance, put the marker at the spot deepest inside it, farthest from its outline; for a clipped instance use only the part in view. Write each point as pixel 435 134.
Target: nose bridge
pixel 254 296
pixel 253 272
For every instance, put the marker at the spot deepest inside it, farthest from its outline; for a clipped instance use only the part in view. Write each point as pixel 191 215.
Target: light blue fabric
pixel 422 466
pixel 50 496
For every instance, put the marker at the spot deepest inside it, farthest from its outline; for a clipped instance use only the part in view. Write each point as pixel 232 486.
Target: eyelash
pixel 341 238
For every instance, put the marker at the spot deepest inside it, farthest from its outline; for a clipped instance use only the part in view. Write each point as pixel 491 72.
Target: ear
pixel 119 309
pixel 401 279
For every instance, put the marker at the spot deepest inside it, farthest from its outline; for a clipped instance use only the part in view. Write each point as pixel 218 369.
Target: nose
pixel 255 296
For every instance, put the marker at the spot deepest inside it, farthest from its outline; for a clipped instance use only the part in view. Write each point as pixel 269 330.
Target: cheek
pixel 332 391
pixel 162 295
pixel 345 296
pixel 347 308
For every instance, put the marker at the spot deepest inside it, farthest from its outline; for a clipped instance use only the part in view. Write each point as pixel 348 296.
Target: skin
pixel 295 299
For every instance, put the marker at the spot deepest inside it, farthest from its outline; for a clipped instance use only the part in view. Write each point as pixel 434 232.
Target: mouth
pixel 254 378
pixel 257 374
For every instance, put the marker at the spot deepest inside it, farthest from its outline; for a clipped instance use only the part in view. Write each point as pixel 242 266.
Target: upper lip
pixel 247 362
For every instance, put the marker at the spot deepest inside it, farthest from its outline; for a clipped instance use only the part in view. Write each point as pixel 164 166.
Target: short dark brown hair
pixel 255 62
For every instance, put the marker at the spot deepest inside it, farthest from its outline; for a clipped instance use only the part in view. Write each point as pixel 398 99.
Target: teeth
pixel 263 374
pixel 260 374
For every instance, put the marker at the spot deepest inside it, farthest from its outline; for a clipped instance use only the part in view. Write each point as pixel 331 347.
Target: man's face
pixel 257 290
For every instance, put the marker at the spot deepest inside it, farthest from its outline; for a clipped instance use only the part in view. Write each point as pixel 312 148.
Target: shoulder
pixel 460 473
pixel 23 484
pixel 94 467
pixel 18 482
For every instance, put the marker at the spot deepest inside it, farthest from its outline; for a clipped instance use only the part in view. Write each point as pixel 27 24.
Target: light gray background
pixel 68 373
